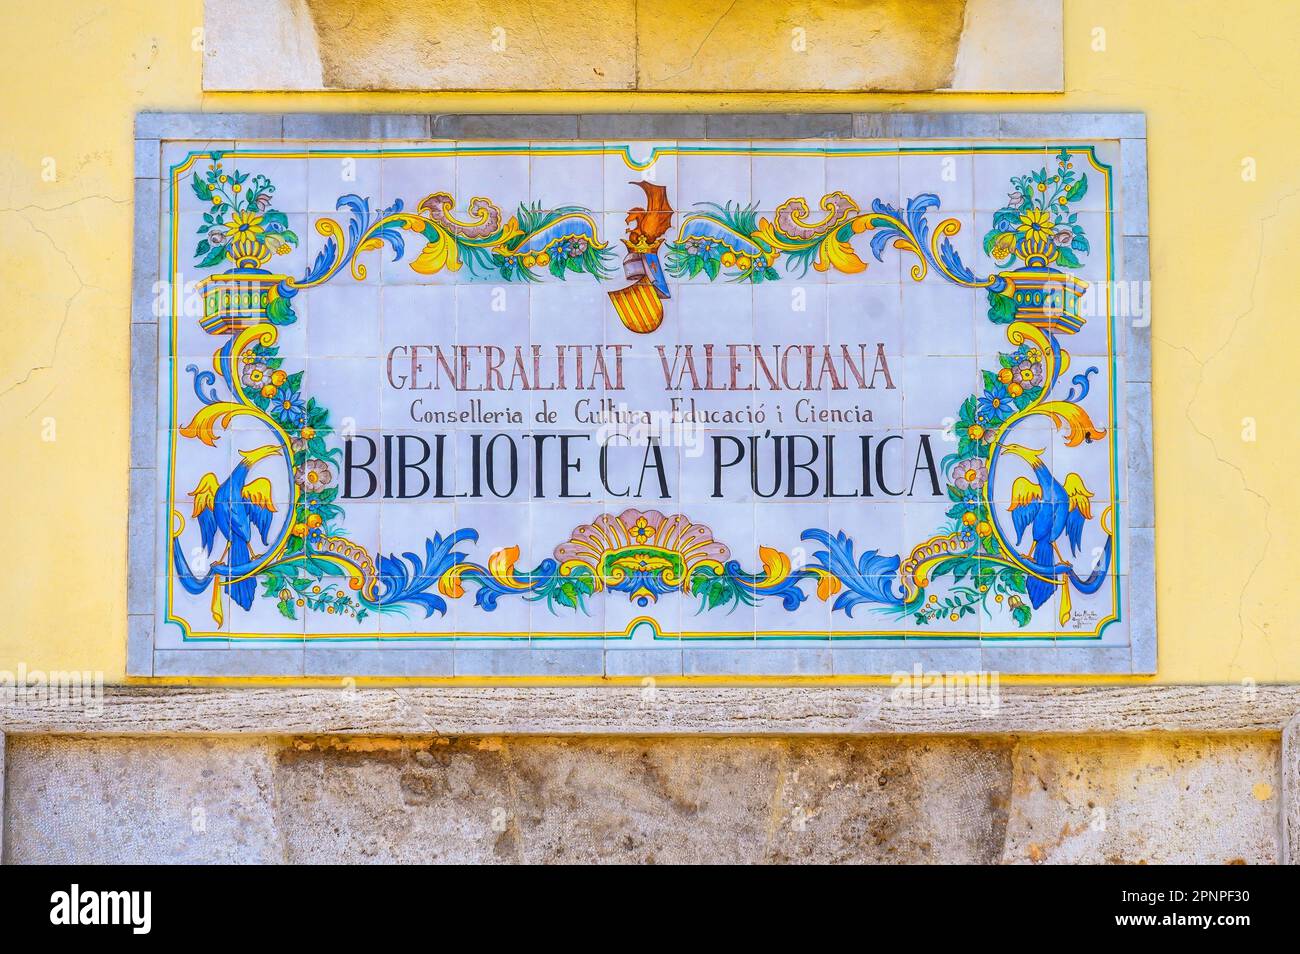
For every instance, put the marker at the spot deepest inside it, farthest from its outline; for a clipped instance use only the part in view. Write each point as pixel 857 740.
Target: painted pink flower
pixel 970 474
pixel 315 475
pixel 1029 374
pixel 254 373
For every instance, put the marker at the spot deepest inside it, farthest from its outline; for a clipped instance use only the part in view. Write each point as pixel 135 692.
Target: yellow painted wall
pixel 1216 81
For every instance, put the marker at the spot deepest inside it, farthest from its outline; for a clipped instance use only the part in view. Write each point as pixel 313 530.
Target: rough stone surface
pixel 894 45
pixel 1146 800
pixel 1290 795
pixel 133 801
pixel 642 800
pixel 390 44
pixel 627 710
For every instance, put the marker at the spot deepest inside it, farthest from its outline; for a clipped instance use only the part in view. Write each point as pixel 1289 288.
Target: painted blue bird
pixel 233 508
pixel 1047 509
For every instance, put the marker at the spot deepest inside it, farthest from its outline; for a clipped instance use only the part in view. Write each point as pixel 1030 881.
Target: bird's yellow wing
pixel 1080 496
pixel 258 493
pixel 1024 491
pixel 205 494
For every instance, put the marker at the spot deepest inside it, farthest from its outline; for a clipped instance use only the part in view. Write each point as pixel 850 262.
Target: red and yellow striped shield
pixel 639 307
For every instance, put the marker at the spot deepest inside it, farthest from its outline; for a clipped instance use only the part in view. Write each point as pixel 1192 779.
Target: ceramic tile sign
pixel 743 396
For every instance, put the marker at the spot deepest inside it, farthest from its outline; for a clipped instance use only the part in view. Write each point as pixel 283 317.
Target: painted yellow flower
pixel 641 530
pixel 246 225
pixel 1035 222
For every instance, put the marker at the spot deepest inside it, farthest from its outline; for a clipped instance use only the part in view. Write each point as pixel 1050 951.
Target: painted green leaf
pixel 280 312
pixel 213 256
pixel 1066 258
pixel 1002 310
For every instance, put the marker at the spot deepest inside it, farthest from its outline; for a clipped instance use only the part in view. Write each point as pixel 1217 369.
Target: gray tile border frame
pixel 380 661
pixel 779 126
pixel 758 661
pixel 888 125
pixel 1142 599
pixel 589 661
pixel 857 660
pixel 504 126
pixel 144 413
pixel 202 125
pixel 148 158
pixel 657 126
pixel 144 244
pixel 355 126
pixel 139 645
pixel 1137 422
pixel 1135 219
pixel 1137 271
pixel 643 662
pixel 153 129
pixel 142 476
pixel 232 661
